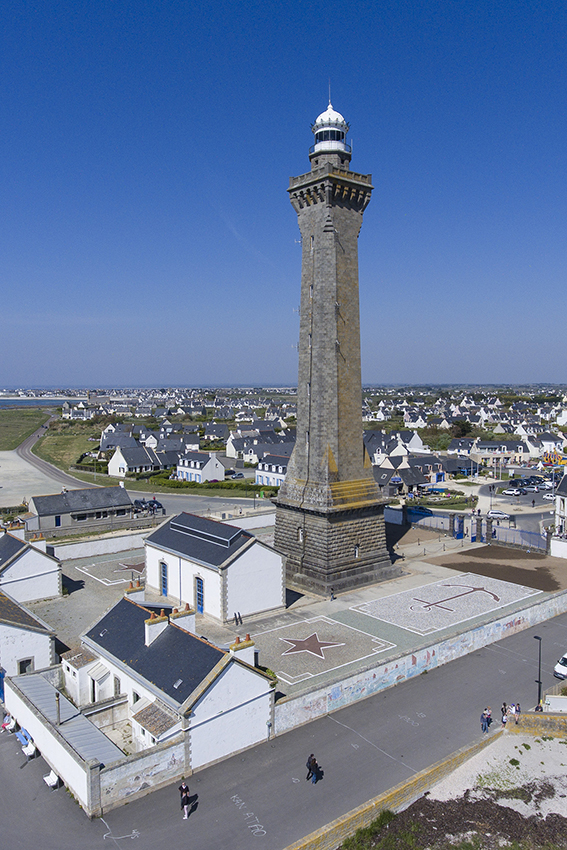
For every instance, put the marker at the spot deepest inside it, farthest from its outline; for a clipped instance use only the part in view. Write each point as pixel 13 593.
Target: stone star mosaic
pixel 309 648
pixel 444 603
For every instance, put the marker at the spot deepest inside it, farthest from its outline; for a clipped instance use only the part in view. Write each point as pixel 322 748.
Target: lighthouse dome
pixel 330 129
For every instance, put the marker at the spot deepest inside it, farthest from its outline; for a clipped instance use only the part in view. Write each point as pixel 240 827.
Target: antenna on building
pixel 329 91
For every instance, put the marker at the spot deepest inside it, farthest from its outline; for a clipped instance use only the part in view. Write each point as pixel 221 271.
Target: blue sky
pixel 147 236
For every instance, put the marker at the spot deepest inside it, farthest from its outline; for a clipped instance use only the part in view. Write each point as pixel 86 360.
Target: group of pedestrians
pixel 507 713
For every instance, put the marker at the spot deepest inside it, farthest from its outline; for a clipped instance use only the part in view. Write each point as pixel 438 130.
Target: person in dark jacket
pixel 311 767
pixel 184 791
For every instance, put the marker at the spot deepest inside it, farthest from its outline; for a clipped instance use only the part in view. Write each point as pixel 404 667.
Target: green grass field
pixel 62 450
pixel 18 423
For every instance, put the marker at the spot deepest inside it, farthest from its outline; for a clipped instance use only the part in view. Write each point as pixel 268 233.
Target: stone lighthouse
pixel 329 512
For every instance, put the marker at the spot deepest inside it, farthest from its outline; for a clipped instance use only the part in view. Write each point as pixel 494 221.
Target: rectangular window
pixel 81 517
pixel 163 578
pixel 135 697
pixel 25 665
pixel 57 522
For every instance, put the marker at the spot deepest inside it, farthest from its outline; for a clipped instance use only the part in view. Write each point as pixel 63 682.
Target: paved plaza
pixel 316 642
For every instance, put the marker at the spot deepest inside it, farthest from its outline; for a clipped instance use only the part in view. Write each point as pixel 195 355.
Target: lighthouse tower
pixel 329 512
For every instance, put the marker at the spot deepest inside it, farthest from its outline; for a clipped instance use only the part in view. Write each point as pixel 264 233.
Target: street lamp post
pixel 538 680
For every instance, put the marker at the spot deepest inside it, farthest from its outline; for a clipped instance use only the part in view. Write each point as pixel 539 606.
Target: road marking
pixel 105 581
pixel 372 744
pixel 115 838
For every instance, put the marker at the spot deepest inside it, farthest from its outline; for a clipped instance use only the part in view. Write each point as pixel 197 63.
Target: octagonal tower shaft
pixel 329 512
pixel 329 203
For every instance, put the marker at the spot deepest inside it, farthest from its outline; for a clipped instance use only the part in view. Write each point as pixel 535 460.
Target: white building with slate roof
pixel 26 642
pixel 93 506
pixel 218 569
pixel 174 681
pixel 26 571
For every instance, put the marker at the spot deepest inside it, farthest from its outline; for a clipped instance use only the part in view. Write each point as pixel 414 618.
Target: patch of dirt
pixel 440 823
pixel 541 572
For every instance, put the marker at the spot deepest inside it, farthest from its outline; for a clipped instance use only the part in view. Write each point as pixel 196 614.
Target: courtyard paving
pixel 314 642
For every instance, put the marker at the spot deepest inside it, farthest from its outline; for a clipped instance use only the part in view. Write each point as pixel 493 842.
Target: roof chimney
pixel 185 618
pixel 155 626
pixel 135 591
pixel 243 649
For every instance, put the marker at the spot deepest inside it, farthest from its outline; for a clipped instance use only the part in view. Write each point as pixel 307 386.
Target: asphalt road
pixel 172 503
pixel 364 750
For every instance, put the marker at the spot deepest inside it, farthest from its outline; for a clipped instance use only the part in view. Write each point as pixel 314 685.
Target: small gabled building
pixel 72 510
pixel 218 569
pixel 27 572
pixel 26 642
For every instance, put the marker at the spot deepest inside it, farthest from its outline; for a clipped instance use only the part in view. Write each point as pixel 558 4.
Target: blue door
pixel 2 673
pixel 200 593
pixel 163 579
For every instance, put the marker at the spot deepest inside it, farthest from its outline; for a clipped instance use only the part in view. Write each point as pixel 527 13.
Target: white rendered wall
pixel 232 715
pixel 101 546
pixel 32 576
pixel 255 581
pixel 181 568
pixel 17 644
pixel 55 752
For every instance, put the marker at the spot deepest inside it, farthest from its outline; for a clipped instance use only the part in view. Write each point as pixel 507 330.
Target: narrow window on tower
pixel 308 389
pixel 312 243
pixel 307 438
pixel 309 340
pixel 357 551
pixel 311 291
pixel 300 535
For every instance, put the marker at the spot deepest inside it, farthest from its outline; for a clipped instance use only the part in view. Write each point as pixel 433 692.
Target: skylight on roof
pixel 178 683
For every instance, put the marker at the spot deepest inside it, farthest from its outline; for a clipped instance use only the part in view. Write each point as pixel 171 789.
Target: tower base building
pixel 329 511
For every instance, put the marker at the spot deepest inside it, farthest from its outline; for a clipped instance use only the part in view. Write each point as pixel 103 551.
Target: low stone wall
pixel 540 723
pixel 142 773
pixel 396 799
pixel 295 711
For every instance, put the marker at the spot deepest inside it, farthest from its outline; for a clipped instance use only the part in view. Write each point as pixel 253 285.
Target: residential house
pixel 199 467
pixel 272 469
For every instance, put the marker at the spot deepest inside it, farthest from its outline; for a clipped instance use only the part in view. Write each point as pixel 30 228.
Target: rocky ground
pixel 512 795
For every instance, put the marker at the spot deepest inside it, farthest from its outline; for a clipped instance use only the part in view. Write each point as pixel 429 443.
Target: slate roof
pixel 561 489
pixel 176 662
pixel 13 614
pixel 10 546
pixel 94 498
pixel 200 539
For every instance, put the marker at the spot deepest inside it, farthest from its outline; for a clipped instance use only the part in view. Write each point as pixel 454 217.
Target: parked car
pixel 532 488
pixel 549 496
pixel 512 491
pixel 238 475
pixel 154 506
pixel 140 504
pixel 560 669
pixel 497 515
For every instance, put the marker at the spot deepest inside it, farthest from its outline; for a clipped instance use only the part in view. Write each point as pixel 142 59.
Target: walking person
pixel 517 712
pixel 483 722
pixel 184 791
pixel 504 716
pixel 311 766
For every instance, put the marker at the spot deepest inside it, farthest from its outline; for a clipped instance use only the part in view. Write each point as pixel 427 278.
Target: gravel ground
pixel 511 795
pixel 536 785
